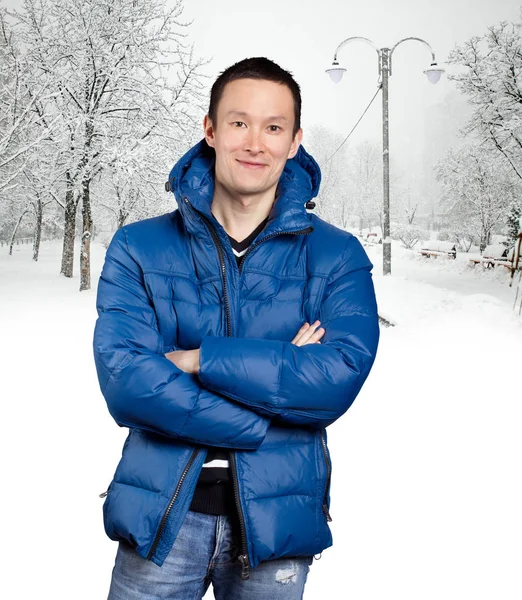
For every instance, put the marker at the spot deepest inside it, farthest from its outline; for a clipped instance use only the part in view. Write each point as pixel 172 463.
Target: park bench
pixel 493 255
pixel 438 248
pixel 371 238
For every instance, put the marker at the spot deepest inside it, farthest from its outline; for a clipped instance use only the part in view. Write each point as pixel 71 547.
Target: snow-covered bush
pixel 463 237
pixel 460 234
pixel 408 235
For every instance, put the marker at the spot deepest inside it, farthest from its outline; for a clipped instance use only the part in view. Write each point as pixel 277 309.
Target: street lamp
pixel 433 72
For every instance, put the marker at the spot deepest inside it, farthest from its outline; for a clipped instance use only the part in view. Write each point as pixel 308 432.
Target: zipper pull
pixel 326 512
pixel 103 494
pixel 245 569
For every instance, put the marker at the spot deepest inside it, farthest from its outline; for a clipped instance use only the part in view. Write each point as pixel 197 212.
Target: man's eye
pixel 274 127
pixel 238 123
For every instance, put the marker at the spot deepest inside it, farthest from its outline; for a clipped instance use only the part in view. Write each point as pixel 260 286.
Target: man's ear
pixel 208 128
pixel 296 142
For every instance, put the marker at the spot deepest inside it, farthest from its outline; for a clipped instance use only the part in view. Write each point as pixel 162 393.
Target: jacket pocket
pixel 326 497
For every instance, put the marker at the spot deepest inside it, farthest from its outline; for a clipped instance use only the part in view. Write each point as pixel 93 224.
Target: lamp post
pixel 433 73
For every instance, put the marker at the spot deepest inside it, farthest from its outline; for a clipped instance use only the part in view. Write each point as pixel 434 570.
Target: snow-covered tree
pixel 131 187
pixel 365 174
pixel 477 189
pixel 404 201
pixel 19 132
pixel 334 202
pixel 490 77
pixel 121 70
pixel 22 138
pixel 514 214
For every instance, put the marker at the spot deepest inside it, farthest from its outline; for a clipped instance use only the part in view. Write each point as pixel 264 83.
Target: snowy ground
pixel 426 491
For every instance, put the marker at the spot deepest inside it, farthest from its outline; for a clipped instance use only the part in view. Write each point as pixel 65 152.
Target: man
pixel 231 333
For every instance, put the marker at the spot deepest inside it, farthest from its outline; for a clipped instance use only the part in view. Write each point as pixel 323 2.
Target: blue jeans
pixel 205 552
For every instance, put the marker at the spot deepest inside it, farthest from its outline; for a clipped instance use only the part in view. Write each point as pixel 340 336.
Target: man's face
pixel 253 135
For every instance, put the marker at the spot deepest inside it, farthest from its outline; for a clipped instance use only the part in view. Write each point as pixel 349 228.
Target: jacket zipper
pixel 243 557
pixel 171 503
pixel 221 254
pixel 326 512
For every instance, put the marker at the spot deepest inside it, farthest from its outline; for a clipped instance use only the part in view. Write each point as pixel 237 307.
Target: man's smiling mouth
pixel 251 165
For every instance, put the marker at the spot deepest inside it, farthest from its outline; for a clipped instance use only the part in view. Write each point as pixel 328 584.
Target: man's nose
pixel 254 140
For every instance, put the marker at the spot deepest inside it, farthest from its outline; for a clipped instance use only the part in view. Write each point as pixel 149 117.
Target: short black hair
pixel 256 68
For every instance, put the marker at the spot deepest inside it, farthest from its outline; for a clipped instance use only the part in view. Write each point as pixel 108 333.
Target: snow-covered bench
pixel 371 238
pixel 495 254
pixel 438 248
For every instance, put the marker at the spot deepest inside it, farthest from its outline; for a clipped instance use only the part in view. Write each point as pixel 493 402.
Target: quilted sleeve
pixel 309 385
pixel 142 388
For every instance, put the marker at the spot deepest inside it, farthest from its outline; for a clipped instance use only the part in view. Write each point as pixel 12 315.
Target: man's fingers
pixel 316 336
pixel 313 338
pixel 300 333
pixel 304 333
pixel 308 334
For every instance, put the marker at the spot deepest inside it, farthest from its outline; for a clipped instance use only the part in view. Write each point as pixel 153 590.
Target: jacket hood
pixel 192 178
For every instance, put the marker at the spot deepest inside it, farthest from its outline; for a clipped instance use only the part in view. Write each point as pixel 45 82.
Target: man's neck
pixel 240 215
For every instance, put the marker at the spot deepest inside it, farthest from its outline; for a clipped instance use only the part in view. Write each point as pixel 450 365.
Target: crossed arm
pixel 241 384
pixel 189 360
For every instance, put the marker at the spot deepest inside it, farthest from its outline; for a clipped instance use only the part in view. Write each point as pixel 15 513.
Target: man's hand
pixel 309 334
pixel 185 360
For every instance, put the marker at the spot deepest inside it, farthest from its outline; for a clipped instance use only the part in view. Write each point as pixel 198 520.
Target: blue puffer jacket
pixel 172 282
